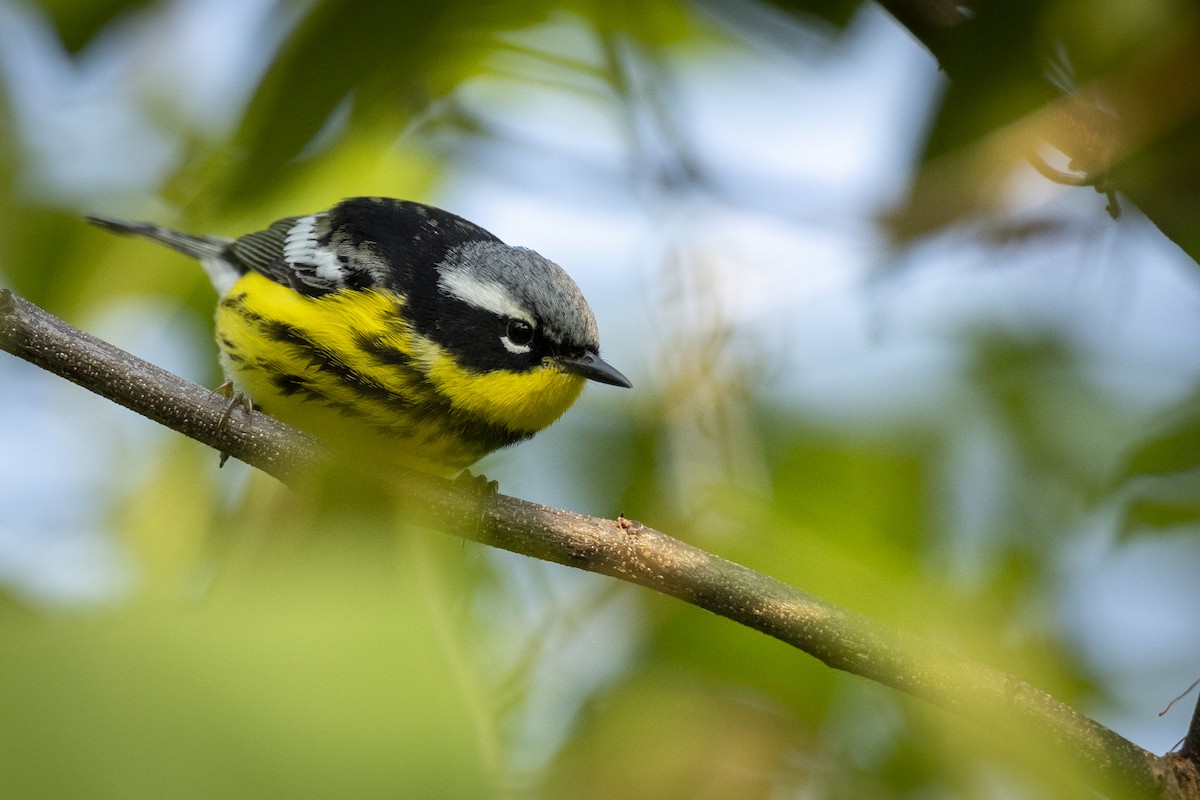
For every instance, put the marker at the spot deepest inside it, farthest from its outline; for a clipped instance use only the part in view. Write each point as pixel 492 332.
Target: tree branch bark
pixel 621 549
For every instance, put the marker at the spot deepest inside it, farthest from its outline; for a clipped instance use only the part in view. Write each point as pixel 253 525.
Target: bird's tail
pixel 212 251
pixel 201 247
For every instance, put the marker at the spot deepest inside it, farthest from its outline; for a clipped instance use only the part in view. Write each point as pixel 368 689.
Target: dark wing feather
pixel 262 251
pixel 300 252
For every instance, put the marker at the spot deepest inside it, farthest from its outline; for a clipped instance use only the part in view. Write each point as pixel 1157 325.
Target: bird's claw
pixel 235 399
pixel 483 489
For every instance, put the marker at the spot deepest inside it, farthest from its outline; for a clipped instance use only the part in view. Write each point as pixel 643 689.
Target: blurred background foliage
pixel 876 355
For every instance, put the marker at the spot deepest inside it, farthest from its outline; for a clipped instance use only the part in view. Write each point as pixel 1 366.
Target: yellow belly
pixel 348 368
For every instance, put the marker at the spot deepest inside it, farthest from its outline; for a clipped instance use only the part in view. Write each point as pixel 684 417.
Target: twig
pixel 620 548
pixel 1190 750
pixel 1179 697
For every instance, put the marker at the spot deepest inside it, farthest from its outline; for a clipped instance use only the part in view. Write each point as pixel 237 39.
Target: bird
pixel 396 324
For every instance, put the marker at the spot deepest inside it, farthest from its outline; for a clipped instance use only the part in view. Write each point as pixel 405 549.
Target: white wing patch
pixel 300 246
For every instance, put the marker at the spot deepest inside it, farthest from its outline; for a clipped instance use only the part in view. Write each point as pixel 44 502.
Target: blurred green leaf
pixel 708 740
pixel 385 64
pixel 38 251
pixel 1174 448
pixel 1155 503
pixel 996 62
pixel 78 21
pixel 316 674
pixel 836 13
pixel 1160 479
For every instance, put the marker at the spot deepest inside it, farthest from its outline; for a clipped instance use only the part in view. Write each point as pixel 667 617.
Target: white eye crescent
pixel 518 336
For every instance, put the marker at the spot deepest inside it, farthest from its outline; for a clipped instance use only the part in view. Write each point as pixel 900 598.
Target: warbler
pixel 399 322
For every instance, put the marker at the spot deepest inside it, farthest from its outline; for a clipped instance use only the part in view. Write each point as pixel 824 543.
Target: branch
pixel 30 333
pixel 619 548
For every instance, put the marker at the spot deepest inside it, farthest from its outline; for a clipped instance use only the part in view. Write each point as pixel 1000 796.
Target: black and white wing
pixel 302 253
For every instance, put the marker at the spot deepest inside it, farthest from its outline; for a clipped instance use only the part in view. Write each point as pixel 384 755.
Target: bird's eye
pixel 519 332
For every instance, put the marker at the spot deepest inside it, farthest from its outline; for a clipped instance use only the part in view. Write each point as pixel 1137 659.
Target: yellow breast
pixel 349 368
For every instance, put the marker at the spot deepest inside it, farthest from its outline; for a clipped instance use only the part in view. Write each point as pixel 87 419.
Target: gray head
pixel 533 310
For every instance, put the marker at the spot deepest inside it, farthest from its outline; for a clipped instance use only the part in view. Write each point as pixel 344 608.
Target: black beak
pixel 594 368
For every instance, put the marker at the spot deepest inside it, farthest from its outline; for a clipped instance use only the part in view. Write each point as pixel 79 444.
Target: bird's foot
pixel 235 399
pixel 483 490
